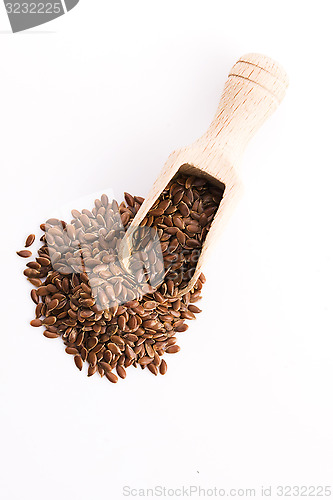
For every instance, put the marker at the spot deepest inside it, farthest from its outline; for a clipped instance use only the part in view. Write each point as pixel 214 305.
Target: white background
pixel 98 99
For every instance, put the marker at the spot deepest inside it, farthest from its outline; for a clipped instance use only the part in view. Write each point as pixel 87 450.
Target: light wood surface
pixel 255 86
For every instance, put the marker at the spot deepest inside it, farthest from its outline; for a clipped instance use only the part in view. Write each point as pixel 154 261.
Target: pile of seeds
pixel 105 316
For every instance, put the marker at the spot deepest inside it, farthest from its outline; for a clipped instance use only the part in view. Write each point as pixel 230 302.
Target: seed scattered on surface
pixel 50 320
pixel 163 367
pixel 121 371
pixel 24 253
pixel 34 296
pixel 71 350
pixel 78 362
pixel 112 377
pixel 153 369
pixel 194 309
pixel 29 241
pixel 36 322
pixel 50 335
pixel 91 370
pixel 172 349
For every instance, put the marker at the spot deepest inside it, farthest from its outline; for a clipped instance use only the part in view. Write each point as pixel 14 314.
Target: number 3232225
pixel 34 8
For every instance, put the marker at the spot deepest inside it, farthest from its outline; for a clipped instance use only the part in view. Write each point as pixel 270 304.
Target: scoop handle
pixel 255 87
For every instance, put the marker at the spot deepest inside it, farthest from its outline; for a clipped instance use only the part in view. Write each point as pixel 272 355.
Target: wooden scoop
pixel 256 85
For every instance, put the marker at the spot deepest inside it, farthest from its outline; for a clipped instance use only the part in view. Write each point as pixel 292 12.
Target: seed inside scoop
pixel 182 216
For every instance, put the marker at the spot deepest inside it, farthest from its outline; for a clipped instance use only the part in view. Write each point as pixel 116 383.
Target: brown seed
pixel 202 278
pixel 184 210
pixel 163 367
pixel 112 377
pixel 71 350
pixel 79 338
pixel 188 315
pixel 192 228
pixel 88 302
pixel 36 322
pixel 194 309
pixel 53 304
pixel 170 287
pixel 39 309
pixel 125 217
pixel 177 197
pixel 129 199
pixel 153 368
pixel 150 351
pixel 114 348
pixel 156 212
pixel 50 335
pixel 181 328
pixel 129 352
pixel 106 367
pixel 92 358
pixel 178 222
pixel 145 360
pixel 84 353
pixel 91 370
pixel 43 261
pixel 159 297
pixel 24 253
pixel 52 329
pixel 29 241
pixel 121 371
pixel 171 341
pixel 181 237
pixel 86 313
pixel 35 281
pixel 172 349
pixel 152 324
pixel 50 320
pixel 121 322
pixel 42 291
pixel 34 296
pixel 157 359
pixel 192 243
pixel 31 273
pixel 150 304
pixel 92 342
pixel 131 337
pixel 78 362
pixel 107 355
pixel 34 265
pixel 51 288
